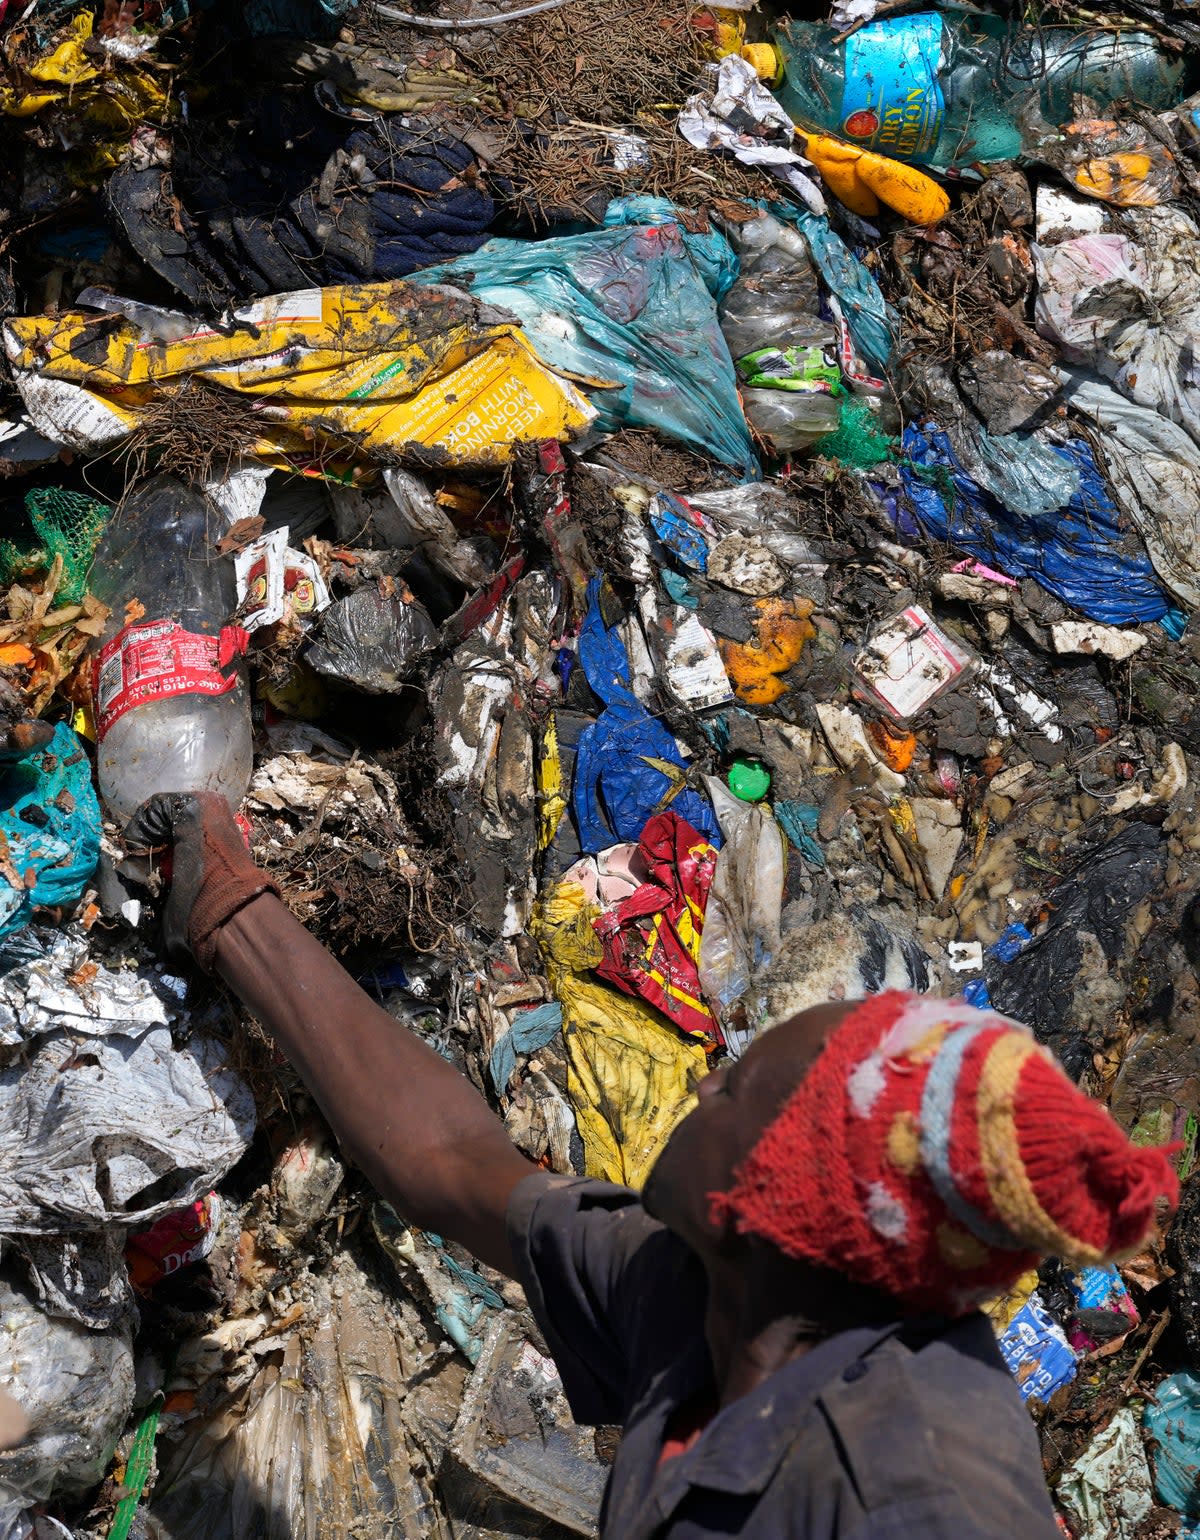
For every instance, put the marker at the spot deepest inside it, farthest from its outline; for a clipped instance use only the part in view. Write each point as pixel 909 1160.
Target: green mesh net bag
pixel 857 440
pixel 66 524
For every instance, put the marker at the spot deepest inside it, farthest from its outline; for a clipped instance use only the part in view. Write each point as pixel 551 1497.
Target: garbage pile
pixel 657 520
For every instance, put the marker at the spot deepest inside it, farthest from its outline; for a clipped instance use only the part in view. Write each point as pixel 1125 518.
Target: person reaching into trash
pixel 785 1321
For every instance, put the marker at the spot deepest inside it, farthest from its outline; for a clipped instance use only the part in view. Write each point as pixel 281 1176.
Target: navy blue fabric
pixel 1086 553
pixel 882 1432
pixel 259 215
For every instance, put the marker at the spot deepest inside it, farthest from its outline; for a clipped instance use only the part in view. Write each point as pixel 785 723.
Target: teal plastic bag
pixel 634 305
pixel 49 829
pixel 872 321
pixel 1173 1423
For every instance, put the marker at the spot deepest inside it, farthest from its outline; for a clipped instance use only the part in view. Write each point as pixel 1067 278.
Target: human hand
pixel 212 874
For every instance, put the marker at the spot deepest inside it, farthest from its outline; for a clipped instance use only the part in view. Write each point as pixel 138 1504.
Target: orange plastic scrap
pixel 14 655
pixel 782 628
pixel 1123 178
pixel 895 748
pixel 862 180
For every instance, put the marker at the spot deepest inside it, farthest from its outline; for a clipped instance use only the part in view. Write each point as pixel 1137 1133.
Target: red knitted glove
pixel 212 874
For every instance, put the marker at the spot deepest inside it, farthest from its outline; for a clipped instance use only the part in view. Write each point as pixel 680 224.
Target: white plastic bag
pixel 1131 309
pixel 76 1387
pixel 106 1122
pixel 741 920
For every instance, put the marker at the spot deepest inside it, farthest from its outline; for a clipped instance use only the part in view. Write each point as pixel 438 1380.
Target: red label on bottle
pixel 861 125
pixel 156 659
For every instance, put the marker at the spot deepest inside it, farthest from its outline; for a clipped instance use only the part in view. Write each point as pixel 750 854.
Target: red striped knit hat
pixel 936 1153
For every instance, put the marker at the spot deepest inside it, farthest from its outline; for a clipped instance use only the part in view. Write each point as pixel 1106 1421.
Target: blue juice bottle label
pixel 891 100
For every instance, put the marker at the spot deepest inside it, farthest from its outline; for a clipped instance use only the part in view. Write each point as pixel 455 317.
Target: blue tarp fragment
pixel 1086 553
pixel 617 787
pixel 56 854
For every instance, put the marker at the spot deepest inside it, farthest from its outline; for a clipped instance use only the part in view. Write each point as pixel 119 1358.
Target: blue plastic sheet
pixel 530 1031
pixel 1037 1353
pixel 799 820
pixel 618 780
pixel 633 305
pixel 675 526
pixel 1085 553
pixel 1172 1420
pixel 51 829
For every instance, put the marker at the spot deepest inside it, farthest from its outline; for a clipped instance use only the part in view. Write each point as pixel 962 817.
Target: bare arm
pixel 417 1127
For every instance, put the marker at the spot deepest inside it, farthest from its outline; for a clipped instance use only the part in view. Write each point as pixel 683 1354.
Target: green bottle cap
pixel 749 779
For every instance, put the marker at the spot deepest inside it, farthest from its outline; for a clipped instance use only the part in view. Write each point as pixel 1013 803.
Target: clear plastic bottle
pixel 171 701
pixel 789 419
pixel 775 299
pixel 773 305
pixel 950 89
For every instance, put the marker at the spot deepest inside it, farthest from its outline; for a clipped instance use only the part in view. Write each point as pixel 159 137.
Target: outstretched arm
pixel 417 1127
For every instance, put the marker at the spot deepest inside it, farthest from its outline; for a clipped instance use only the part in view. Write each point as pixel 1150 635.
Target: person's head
pixel 917 1147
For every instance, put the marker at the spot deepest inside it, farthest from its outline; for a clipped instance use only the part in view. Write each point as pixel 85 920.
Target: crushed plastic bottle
pixel 789 419
pixel 775 299
pixel 946 90
pixel 171 702
pixel 782 349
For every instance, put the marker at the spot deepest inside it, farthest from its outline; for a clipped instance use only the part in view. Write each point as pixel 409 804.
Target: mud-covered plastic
pixel 169 689
pixel 542 1460
pixel 371 638
pixel 945 90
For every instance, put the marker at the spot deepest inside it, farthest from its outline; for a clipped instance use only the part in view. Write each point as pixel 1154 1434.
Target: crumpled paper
pixel 742 116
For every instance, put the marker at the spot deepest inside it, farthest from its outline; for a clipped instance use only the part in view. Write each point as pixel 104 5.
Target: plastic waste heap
pixel 783 351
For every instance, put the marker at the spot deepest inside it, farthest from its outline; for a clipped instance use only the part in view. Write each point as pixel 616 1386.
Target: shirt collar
pixel 744 1445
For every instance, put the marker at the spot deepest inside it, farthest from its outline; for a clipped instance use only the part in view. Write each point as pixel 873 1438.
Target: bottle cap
pixel 749 779
pixel 765 60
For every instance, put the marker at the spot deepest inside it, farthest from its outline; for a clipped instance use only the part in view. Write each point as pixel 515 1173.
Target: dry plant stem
pixel 563 75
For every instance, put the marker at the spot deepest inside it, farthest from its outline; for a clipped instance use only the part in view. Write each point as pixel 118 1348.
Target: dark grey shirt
pixel 887 1432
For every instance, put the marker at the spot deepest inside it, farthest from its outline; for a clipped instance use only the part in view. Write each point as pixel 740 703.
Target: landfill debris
pixel 1107 1490
pixel 654 523
pixel 343 369
pixel 1171 1423
pixel 1037 1352
pixel 544 1462
pixel 77 1387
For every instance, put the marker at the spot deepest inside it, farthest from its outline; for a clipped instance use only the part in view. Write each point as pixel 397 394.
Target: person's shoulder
pixel 610 1287
pixel 596 1230
pixel 546 1201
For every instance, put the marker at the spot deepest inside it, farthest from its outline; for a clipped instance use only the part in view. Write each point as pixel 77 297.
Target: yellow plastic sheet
pixel 346 371
pixel 1001 1310
pixel 630 1076
pixel 50 75
pixel 551 797
pixel 103 99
